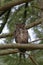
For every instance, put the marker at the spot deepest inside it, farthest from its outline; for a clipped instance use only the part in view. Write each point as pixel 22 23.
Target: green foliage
pixel 16 16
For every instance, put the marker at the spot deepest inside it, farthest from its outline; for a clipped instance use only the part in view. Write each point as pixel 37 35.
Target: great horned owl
pixel 21 36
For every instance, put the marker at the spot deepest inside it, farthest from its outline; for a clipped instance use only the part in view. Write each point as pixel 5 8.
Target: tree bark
pixel 23 46
pixel 5 20
pixel 10 51
pixel 13 3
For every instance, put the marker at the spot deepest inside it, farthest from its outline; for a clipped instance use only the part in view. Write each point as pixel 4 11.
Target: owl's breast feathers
pixel 21 36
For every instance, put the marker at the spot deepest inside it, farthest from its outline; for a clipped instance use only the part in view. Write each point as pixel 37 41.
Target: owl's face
pixel 20 26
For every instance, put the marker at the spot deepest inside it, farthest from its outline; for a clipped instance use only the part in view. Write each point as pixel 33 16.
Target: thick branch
pixel 10 51
pixel 11 4
pixel 24 46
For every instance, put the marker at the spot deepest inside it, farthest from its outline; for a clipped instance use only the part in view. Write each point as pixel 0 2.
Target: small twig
pixel 37 40
pixel 37 7
pixel 32 59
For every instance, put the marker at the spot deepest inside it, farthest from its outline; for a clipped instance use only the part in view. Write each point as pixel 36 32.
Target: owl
pixel 21 36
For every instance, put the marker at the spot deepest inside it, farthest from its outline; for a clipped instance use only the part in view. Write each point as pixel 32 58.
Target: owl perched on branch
pixel 21 36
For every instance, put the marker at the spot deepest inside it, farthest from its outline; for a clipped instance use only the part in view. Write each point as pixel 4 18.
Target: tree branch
pixel 25 13
pixel 33 60
pixel 24 46
pixel 34 23
pixel 37 7
pixel 37 40
pixel 13 3
pixel 1 13
pixel 7 35
pixel 10 51
pixel 5 20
